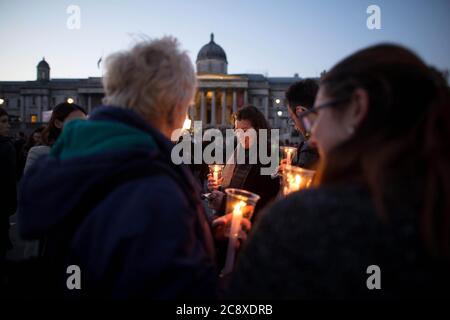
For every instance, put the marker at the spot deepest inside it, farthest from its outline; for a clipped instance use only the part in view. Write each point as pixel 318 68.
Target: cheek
pixel 327 133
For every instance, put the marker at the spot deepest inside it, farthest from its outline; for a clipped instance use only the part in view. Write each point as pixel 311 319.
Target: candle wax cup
pixel 247 211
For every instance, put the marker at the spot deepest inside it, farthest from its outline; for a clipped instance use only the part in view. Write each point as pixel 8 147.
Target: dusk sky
pixel 277 38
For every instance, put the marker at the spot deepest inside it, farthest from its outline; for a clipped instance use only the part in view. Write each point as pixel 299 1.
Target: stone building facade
pixel 219 93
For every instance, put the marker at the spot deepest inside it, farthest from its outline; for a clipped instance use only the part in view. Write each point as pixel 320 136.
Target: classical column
pixel 39 108
pixel 22 109
pixel 266 107
pixel 245 97
pixel 45 103
pixel 89 104
pixel 213 108
pixel 202 107
pixel 224 106
pixel 234 102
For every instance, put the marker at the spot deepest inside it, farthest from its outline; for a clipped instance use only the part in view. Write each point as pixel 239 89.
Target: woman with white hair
pixel 112 202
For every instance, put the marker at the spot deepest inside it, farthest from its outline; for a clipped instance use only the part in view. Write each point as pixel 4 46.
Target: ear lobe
pixel 360 106
pixel 300 109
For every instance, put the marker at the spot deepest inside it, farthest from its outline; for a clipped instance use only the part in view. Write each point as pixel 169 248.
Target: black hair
pixel 60 112
pixel 253 115
pixel 302 93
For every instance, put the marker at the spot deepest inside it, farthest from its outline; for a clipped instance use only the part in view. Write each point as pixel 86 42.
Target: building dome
pixel 212 58
pixel 43 64
pixel 43 70
pixel 211 50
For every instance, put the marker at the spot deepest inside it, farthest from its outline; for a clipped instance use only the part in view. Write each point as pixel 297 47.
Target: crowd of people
pixel 101 192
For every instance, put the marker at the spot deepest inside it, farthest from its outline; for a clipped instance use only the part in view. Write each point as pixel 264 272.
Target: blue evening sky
pixel 278 38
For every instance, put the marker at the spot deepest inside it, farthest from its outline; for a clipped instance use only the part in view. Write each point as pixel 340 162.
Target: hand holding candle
pixel 234 233
pixel 296 178
pixel 240 204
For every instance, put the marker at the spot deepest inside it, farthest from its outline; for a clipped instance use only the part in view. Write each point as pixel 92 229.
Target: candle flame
pixel 238 206
pixel 187 124
pixel 298 180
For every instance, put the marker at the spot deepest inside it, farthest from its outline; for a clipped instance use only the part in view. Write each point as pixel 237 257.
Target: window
pixel 34 118
pixel 19 102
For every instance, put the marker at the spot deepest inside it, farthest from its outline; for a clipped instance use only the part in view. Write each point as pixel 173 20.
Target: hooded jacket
pixel 109 200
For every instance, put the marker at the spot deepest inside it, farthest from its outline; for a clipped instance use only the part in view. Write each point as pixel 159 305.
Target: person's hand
pixel 215 199
pixel 221 228
pixel 213 184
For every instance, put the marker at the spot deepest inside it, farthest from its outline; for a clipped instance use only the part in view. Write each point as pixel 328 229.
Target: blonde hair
pixel 154 79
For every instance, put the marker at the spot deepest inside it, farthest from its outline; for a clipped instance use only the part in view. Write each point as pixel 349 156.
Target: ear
pixel 59 124
pixel 359 108
pixel 300 109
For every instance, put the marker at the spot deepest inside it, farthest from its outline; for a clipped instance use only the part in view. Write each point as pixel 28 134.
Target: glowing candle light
pixel 187 124
pixel 288 153
pixel 234 234
pixel 296 178
pixel 240 204
pixel 216 171
pixel 288 156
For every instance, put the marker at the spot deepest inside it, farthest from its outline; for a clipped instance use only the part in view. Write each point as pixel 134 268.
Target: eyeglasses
pixel 309 116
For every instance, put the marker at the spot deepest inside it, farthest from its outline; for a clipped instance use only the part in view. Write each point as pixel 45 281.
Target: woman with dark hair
pixel 379 217
pixel 247 175
pixel 61 114
pixel 35 139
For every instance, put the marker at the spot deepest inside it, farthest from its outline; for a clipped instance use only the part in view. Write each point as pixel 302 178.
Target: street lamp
pixel 280 113
pixel 69 100
pixel 277 101
pixel 2 101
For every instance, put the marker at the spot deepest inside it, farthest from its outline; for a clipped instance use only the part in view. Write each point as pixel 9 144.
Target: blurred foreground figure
pixel 377 225
pixel 7 187
pixel 111 202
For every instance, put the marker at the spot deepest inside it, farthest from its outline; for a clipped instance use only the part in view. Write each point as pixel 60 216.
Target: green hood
pixel 85 137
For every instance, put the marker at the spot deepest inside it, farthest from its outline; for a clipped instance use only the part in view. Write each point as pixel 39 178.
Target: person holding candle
pixel 245 176
pixel 377 225
pixel 300 97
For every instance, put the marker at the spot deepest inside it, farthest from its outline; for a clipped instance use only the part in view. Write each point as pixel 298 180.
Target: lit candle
pixel 234 233
pixel 187 124
pixel 295 179
pixel 297 183
pixel 288 156
pixel 216 173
